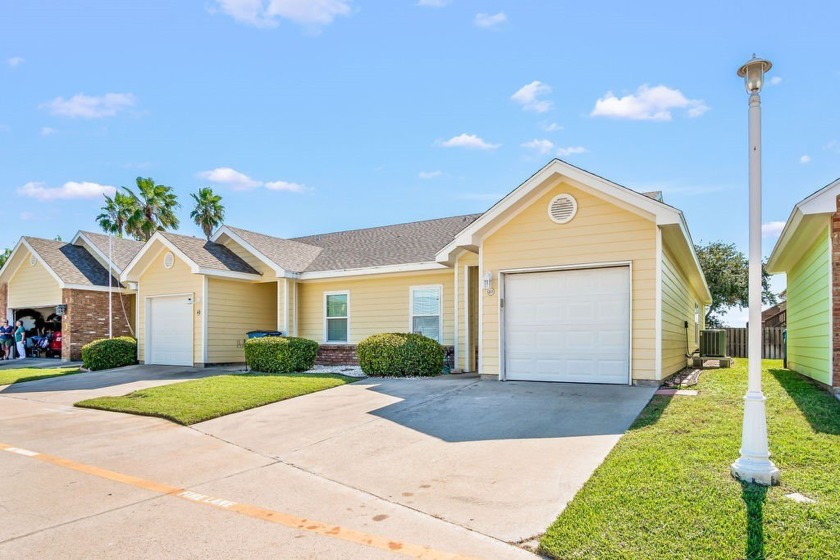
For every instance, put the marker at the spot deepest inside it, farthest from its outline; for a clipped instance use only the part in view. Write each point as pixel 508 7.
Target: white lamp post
pixel 755 465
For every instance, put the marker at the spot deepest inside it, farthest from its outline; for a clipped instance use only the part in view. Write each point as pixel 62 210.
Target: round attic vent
pixel 168 260
pixel 562 208
pixel 32 260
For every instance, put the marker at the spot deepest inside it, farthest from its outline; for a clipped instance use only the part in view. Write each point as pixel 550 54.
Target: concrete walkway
pixel 453 464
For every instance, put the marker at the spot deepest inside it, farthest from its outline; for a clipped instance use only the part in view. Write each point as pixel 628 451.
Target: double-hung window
pixel 336 316
pixel 425 307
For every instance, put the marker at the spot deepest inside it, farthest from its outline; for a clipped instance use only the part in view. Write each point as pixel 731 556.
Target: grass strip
pixel 198 400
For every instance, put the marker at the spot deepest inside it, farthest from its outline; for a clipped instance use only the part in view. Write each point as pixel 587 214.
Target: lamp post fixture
pixel 755 465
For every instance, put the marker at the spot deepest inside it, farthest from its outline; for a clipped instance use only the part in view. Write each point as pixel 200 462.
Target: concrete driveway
pixel 452 465
pixel 502 459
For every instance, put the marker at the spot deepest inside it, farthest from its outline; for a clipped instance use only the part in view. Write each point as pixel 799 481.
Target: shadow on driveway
pixel 480 411
pixel 88 381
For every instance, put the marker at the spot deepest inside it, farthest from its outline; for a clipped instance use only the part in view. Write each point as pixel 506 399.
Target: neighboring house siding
pixel 678 304
pixel 158 280
pixel 808 310
pixel 233 309
pixel 464 260
pixel 378 304
pixel 600 232
pixel 33 286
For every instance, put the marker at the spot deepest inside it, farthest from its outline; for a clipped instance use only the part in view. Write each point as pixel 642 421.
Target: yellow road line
pixel 285 519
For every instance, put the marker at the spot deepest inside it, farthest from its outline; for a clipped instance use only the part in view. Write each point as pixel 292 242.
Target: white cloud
pixel 230 177
pixel 529 97
pixel 648 104
pixel 14 61
pixel 433 3
pixel 47 131
pixel 772 229
pixel 68 191
pixel 240 182
pixel 284 186
pixel 429 174
pixel 551 127
pixel 264 13
pixel 90 107
pixel 469 141
pixel 833 146
pixel 487 20
pixel 541 146
pixel 805 159
pixel 775 80
pixel 571 150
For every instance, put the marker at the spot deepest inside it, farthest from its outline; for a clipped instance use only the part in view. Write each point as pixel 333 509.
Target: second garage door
pixel 170 331
pixel 568 325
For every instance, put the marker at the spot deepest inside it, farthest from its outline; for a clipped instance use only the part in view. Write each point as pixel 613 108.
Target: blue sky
pixel 321 115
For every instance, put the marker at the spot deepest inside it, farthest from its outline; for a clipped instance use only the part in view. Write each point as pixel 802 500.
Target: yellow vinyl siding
pixel 158 280
pixel 464 260
pixel 233 309
pixel 600 232
pixel 378 304
pixel 678 303
pixel 808 312
pixel 33 286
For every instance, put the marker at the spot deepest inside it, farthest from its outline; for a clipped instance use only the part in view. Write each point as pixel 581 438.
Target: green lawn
pixel 195 401
pixel 19 375
pixel 665 490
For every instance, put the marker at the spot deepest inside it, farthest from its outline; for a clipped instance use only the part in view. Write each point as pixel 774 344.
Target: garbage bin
pixel 261 334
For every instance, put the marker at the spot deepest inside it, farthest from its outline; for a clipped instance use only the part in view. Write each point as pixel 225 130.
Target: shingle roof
pixel 207 254
pixel 387 245
pixel 72 263
pixel 123 250
pixel 288 255
pixel 655 195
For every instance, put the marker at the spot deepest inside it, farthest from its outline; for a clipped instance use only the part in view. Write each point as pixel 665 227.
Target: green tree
pixel 116 213
pixel 727 273
pixel 208 212
pixel 4 256
pixel 154 210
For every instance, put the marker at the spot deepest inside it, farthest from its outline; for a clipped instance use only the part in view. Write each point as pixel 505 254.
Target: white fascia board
pixel 89 288
pixel 387 269
pixel 774 263
pixel 91 246
pixel 43 262
pixel 9 268
pixel 699 269
pixel 662 213
pixel 157 237
pixel 224 230
pixel 229 274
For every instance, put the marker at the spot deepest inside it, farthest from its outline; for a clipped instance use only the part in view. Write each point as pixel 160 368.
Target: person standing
pixel 20 337
pixel 6 339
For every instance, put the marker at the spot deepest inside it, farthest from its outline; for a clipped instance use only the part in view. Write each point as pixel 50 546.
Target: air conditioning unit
pixel 713 343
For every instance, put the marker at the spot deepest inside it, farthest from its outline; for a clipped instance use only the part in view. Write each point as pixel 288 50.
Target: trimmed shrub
pixel 280 354
pixel 400 355
pixel 107 353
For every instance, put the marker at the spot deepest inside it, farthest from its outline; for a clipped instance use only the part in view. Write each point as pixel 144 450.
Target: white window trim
pixel 439 288
pixel 337 293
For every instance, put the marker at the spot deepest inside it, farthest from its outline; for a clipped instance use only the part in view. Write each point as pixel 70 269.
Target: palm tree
pixel 208 212
pixel 154 209
pixel 116 213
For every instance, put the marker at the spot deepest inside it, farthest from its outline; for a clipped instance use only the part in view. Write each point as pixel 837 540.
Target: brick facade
pixel 86 319
pixel 4 298
pixel 835 294
pixel 345 354
pixel 337 355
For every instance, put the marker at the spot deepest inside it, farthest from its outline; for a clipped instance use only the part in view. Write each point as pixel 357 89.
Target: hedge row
pixel 400 355
pixel 107 353
pixel 280 354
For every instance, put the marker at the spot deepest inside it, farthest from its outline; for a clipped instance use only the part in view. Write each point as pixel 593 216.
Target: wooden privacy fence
pixel 772 345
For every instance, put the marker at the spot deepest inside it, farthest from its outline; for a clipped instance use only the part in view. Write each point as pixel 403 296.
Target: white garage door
pixel 569 325
pixel 170 331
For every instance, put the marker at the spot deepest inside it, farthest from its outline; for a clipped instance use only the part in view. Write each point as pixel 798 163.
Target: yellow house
pixel 63 287
pixel 807 252
pixel 570 277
